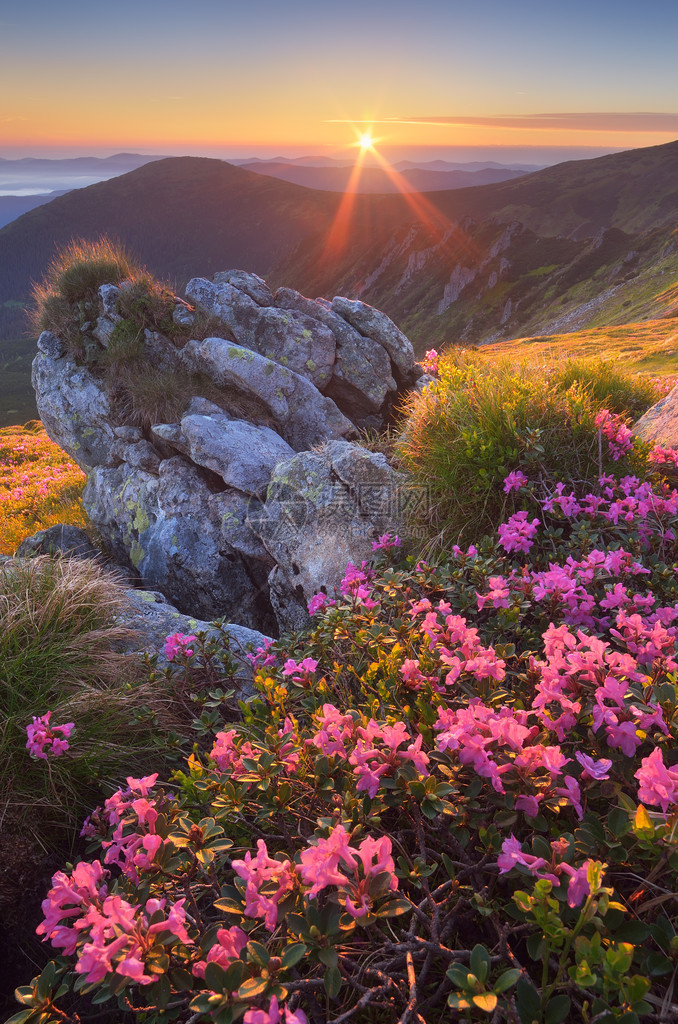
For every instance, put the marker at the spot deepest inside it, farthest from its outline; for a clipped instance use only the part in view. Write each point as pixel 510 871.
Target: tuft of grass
pixel 147 394
pixel 484 418
pixel 39 485
pixel 60 650
pixel 607 383
pixel 65 301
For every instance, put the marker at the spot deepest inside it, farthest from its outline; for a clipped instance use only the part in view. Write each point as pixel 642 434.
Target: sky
pixel 234 78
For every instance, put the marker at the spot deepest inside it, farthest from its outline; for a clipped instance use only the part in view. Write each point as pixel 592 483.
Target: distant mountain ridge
pixel 470 264
pixel 376 179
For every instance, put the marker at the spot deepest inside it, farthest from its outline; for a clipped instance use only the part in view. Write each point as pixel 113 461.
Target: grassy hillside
pixel 647 347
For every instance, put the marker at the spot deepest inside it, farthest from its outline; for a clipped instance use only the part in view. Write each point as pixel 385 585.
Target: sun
pixel 365 141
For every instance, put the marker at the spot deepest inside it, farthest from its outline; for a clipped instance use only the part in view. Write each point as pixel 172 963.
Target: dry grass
pixel 61 649
pixel 647 347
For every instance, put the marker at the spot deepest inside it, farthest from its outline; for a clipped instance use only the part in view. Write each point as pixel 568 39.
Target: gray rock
pixel 251 284
pixel 74 409
pixel 660 423
pixel 160 352
pixel 50 345
pixel 303 416
pixel 323 510
pixel 243 455
pixel 68 540
pixel 153 619
pixel 361 379
pixel 108 297
pixel 288 337
pixel 181 538
pixel 376 325
pixel 183 316
pixel 139 455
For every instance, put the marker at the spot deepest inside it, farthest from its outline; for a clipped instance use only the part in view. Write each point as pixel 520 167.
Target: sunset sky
pixel 226 77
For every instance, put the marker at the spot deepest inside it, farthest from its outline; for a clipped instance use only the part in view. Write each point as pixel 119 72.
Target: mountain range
pixel 579 244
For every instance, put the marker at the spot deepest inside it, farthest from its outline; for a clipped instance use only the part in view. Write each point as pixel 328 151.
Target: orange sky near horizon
pixel 161 77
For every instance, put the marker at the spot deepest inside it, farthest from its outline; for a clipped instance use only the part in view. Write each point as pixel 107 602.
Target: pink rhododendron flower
pixel 318 603
pixel 430 362
pixel 178 643
pixel 386 542
pixel 498 595
pixel 273 1016
pixel 263 872
pixel 517 533
pixel 319 864
pixel 514 481
pixel 512 854
pixel 657 783
pixel 45 740
pixel 230 943
pixel 593 769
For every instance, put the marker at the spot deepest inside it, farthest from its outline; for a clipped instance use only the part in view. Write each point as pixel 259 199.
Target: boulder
pixel 250 284
pixel 660 423
pixel 288 337
pixel 153 619
pixel 361 379
pixel 243 455
pixel 74 407
pixel 303 416
pixel 323 510
pixel 217 511
pixel 376 325
pixel 62 538
pixel 184 539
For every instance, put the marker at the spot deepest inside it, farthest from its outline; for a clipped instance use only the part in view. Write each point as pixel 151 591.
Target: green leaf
pixel 161 991
pixel 45 981
pixel 293 954
pixel 332 982
pixel 480 963
pixel 557 1009
pixel 328 957
pixel 250 989
pixel 258 954
pixel 506 980
pixel 457 975
pixel 21 1017
pixel 527 1001
pixel 394 907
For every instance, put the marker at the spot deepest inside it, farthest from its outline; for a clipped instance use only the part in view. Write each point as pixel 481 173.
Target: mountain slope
pixel 554 250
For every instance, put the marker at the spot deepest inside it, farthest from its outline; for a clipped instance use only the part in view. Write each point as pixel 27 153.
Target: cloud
pixel 593 122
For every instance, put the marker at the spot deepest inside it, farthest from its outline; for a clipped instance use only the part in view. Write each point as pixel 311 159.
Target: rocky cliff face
pixel 255 498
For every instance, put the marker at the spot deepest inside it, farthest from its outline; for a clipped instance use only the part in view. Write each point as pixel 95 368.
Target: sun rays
pixel 446 237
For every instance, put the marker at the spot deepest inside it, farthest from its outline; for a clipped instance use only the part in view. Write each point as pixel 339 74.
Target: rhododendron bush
pixel 456 798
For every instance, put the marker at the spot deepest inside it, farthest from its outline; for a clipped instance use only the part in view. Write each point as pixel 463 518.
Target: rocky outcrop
pixel 347 349
pixel 225 509
pixel 302 415
pixel 322 511
pixel 74 408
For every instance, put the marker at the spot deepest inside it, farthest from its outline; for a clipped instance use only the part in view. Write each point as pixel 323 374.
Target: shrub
pixel 482 419
pixel 39 485
pixel 457 794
